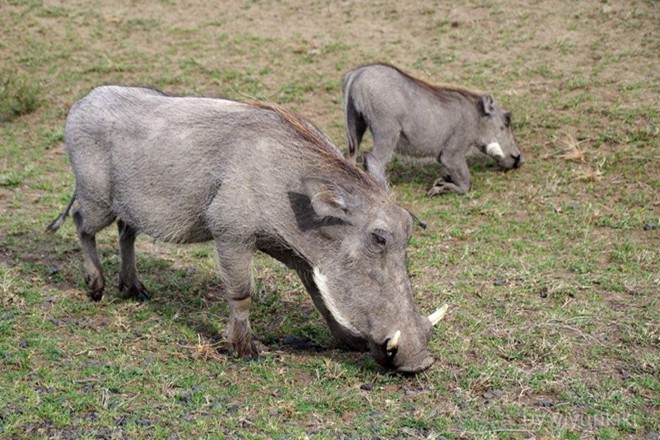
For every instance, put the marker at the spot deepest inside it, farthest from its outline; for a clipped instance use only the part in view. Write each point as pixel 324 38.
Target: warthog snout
pixel 510 161
pixel 419 363
pixel 405 351
pixel 518 160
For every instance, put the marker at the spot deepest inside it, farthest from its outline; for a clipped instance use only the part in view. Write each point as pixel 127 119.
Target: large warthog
pixel 412 117
pixel 252 177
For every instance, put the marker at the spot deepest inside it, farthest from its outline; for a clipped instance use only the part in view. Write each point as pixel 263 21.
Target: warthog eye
pixel 378 237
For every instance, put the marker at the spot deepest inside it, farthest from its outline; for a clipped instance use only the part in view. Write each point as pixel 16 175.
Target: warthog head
pixel 495 135
pixel 362 278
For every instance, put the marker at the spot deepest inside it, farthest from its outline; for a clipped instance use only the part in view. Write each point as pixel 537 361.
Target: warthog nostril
pixel 517 160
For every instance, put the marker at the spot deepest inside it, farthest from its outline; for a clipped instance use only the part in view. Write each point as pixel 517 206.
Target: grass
pixel 19 94
pixel 551 271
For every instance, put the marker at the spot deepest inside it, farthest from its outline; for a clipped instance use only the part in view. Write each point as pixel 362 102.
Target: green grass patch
pixel 19 94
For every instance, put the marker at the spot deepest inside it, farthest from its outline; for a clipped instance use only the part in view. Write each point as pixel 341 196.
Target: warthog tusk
pixel 393 343
pixel 436 316
pixel 495 150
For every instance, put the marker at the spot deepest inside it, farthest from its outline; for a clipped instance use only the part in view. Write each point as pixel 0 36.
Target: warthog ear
pixel 486 105
pixel 328 199
pixel 376 170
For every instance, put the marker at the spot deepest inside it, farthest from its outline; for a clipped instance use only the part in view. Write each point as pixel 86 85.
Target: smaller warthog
pixel 412 117
pixel 252 177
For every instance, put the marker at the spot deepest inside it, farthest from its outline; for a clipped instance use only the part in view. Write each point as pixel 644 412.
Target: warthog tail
pixel 356 126
pixel 355 122
pixel 55 225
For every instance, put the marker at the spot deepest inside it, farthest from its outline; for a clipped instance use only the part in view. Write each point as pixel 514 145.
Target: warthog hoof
pixel 95 287
pixel 442 186
pixel 439 187
pixel 136 290
pixel 248 352
pixel 241 340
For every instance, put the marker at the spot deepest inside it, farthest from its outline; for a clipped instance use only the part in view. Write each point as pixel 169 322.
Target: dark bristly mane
pixel 321 145
pixel 302 128
pixel 441 91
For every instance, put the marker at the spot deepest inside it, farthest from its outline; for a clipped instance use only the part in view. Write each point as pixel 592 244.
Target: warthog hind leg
pixel 91 263
pixel 129 284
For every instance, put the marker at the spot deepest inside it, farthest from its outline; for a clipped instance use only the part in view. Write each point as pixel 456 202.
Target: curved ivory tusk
pixel 393 343
pixel 436 316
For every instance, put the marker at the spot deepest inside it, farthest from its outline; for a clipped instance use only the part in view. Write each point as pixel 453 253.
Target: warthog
pixel 252 177
pixel 415 118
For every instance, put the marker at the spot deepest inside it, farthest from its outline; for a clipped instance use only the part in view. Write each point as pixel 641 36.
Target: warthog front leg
pixel 385 142
pixel 457 180
pixel 129 284
pixel 236 273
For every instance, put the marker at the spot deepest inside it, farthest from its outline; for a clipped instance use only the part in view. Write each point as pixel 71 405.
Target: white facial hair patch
pixel 494 150
pixel 324 288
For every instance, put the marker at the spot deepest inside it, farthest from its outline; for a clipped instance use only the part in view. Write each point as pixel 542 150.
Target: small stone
pixel 367 386
pixel 52 270
pixel 411 391
pixel 545 403
pixel 497 393
pixel 499 282
pixel 652 435
pixel 488 396
pixel 625 375
pixel 24 343
pixel 233 408
pixel 543 293
pixel 649 226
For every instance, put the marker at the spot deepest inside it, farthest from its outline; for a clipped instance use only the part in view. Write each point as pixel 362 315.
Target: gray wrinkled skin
pixel 253 178
pixel 415 118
